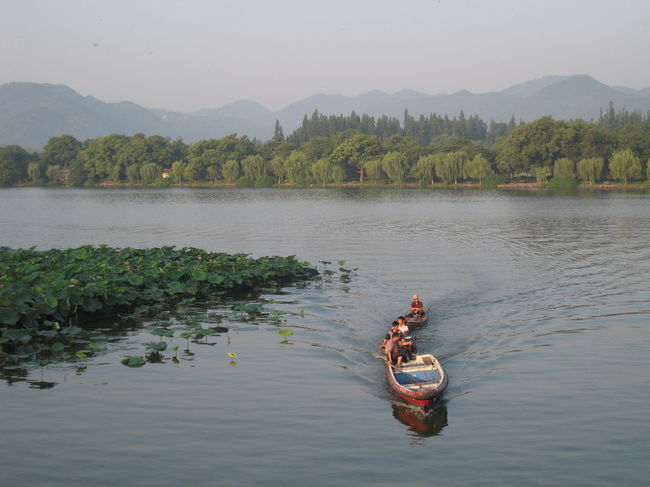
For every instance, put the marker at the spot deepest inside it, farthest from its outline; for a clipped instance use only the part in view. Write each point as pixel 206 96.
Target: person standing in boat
pixel 417 308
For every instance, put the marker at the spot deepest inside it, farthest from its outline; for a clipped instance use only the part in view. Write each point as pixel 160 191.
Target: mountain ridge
pixel 31 113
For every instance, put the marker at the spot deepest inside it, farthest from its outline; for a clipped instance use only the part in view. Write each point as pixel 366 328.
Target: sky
pixel 186 55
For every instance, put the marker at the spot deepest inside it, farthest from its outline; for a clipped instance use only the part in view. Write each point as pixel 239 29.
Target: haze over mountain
pixel 31 113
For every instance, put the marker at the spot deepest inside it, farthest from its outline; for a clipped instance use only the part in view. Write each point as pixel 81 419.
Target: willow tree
pixel 563 168
pixel 231 171
pixel 425 169
pixel 322 170
pixel 395 165
pixel 149 172
pixel 297 166
pixel 374 170
pixel 478 168
pixel 590 170
pixel 178 172
pixel 450 166
pixel 624 166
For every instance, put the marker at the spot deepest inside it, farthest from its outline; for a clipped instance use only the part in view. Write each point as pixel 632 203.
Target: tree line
pixel 338 149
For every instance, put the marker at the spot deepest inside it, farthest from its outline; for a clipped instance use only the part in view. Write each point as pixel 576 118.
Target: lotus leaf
pixel 133 361
pixel 156 346
pixel 163 332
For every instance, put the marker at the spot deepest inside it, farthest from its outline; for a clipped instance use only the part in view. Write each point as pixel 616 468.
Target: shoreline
pixel 519 186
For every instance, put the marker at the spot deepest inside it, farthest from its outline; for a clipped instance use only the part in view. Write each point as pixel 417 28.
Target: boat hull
pixel 421 381
pixel 416 322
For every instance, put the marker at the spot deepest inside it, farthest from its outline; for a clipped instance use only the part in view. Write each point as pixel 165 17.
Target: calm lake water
pixel 540 311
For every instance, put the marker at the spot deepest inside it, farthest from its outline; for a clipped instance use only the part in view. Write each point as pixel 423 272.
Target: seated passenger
pixel 394 328
pixel 403 328
pixel 417 308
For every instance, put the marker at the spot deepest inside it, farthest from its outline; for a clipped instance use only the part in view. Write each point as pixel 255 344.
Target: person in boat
pixel 417 308
pixel 403 327
pixel 404 330
pixel 394 349
pixel 394 328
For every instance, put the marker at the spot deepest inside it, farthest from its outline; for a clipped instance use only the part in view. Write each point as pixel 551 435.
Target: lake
pixel 539 310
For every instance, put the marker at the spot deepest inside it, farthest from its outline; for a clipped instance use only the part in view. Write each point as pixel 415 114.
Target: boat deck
pixel 418 374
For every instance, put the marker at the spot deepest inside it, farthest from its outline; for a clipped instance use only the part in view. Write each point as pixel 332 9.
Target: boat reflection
pixel 420 423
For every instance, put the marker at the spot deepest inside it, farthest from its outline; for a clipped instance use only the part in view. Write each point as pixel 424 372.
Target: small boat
pixel 416 321
pixel 420 381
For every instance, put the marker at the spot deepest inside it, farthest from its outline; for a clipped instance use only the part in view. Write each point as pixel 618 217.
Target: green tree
pixel 178 172
pixel 61 151
pixel 13 164
pixel 338 174
pixel 149 172
pixel 563 168
pixel 194 171
pixel 625 166
pixel 407 146
pixel 322 170
pixel 101 154
pixel 231 171
pixel 355 150
pixel 590 170
pixel 77 174
pixel 115 173
pixel 478 168
pixel 374 170
pixel 636 139
pixel 278 168
pixel 529 145
pixel 278 135
pixel 541 174
pixel 34 171
pixel 425 169
pixel 450 166
pixel 395 165
pixel 255 168
pixel 213 173
pixel 133 173
pixel 318 147
pixel 298 168
pixel 53 173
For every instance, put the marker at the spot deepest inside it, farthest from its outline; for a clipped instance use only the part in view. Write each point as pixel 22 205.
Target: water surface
pixel 540 311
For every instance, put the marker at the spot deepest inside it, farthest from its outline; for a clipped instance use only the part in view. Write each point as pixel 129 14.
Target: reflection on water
pixel 420 423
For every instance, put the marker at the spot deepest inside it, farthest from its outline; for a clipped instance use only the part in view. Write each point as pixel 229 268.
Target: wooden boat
pixel 416 321
pixel 421 381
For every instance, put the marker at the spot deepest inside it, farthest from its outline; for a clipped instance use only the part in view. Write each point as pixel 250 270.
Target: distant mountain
pixel 31 113
pixel 530 88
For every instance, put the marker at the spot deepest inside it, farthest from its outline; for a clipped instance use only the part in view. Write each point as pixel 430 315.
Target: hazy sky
pixel 192 54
